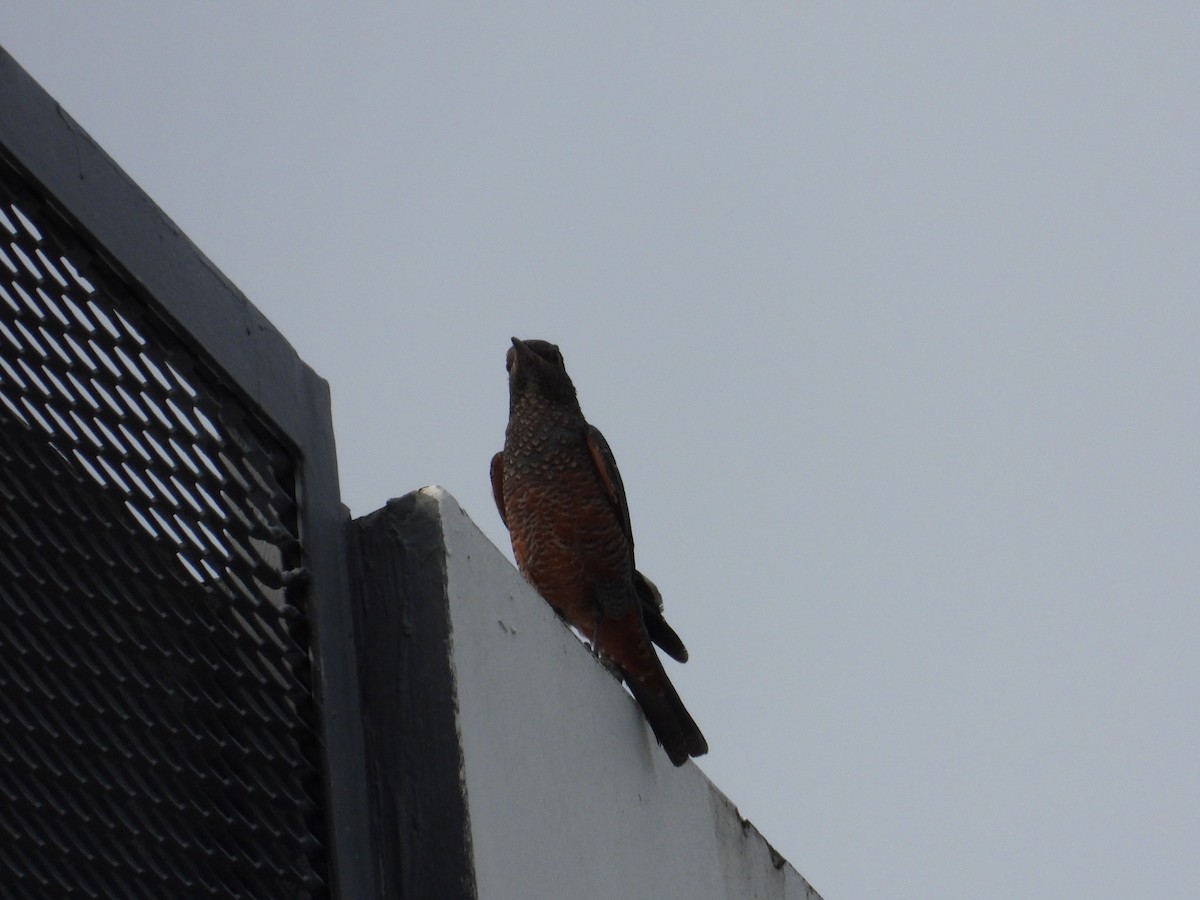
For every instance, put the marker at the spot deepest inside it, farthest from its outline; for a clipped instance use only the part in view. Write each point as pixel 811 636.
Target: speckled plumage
pixel 560 494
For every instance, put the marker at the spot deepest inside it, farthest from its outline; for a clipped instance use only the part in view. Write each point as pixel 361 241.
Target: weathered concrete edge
pixel 485 592
pixel 414 761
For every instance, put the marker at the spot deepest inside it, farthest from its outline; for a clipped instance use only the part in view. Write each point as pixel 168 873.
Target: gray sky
pixel 889 311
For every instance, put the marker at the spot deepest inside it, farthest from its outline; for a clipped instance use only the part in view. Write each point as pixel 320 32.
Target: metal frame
pixel 138 240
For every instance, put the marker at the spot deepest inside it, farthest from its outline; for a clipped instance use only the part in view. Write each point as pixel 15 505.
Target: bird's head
pixel 536 368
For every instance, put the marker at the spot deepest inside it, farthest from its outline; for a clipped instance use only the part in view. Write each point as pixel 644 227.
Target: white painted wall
pixel 568 794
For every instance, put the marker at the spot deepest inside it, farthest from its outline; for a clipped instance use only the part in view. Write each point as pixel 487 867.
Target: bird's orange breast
pixel 566 539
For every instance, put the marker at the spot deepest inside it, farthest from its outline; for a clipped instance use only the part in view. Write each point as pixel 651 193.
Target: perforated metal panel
pixel 157 726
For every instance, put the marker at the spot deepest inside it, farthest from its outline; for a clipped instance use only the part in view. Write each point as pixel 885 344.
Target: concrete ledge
pixel 566 793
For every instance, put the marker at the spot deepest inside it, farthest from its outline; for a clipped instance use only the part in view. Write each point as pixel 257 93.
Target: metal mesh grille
pixel 157 726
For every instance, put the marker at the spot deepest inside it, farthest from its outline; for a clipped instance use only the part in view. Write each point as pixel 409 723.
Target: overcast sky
pixel 889 311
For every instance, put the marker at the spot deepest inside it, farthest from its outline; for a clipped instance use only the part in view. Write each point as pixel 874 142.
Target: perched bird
pixel 560 495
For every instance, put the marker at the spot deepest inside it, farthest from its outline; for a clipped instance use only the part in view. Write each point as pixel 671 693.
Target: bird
pixel 560 495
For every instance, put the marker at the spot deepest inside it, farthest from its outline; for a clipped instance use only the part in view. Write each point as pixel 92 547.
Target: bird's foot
pixel 607 662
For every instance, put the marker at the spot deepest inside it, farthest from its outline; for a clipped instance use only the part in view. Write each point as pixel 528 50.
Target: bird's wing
pixel 651 600
pixel 610 477
pixel 652 616
pixel 498 485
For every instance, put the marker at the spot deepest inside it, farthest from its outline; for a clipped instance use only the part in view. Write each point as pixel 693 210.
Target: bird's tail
pixel 669 719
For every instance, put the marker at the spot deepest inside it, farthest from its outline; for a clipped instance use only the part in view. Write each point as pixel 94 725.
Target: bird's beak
pixel 519 349
pixel 510 358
